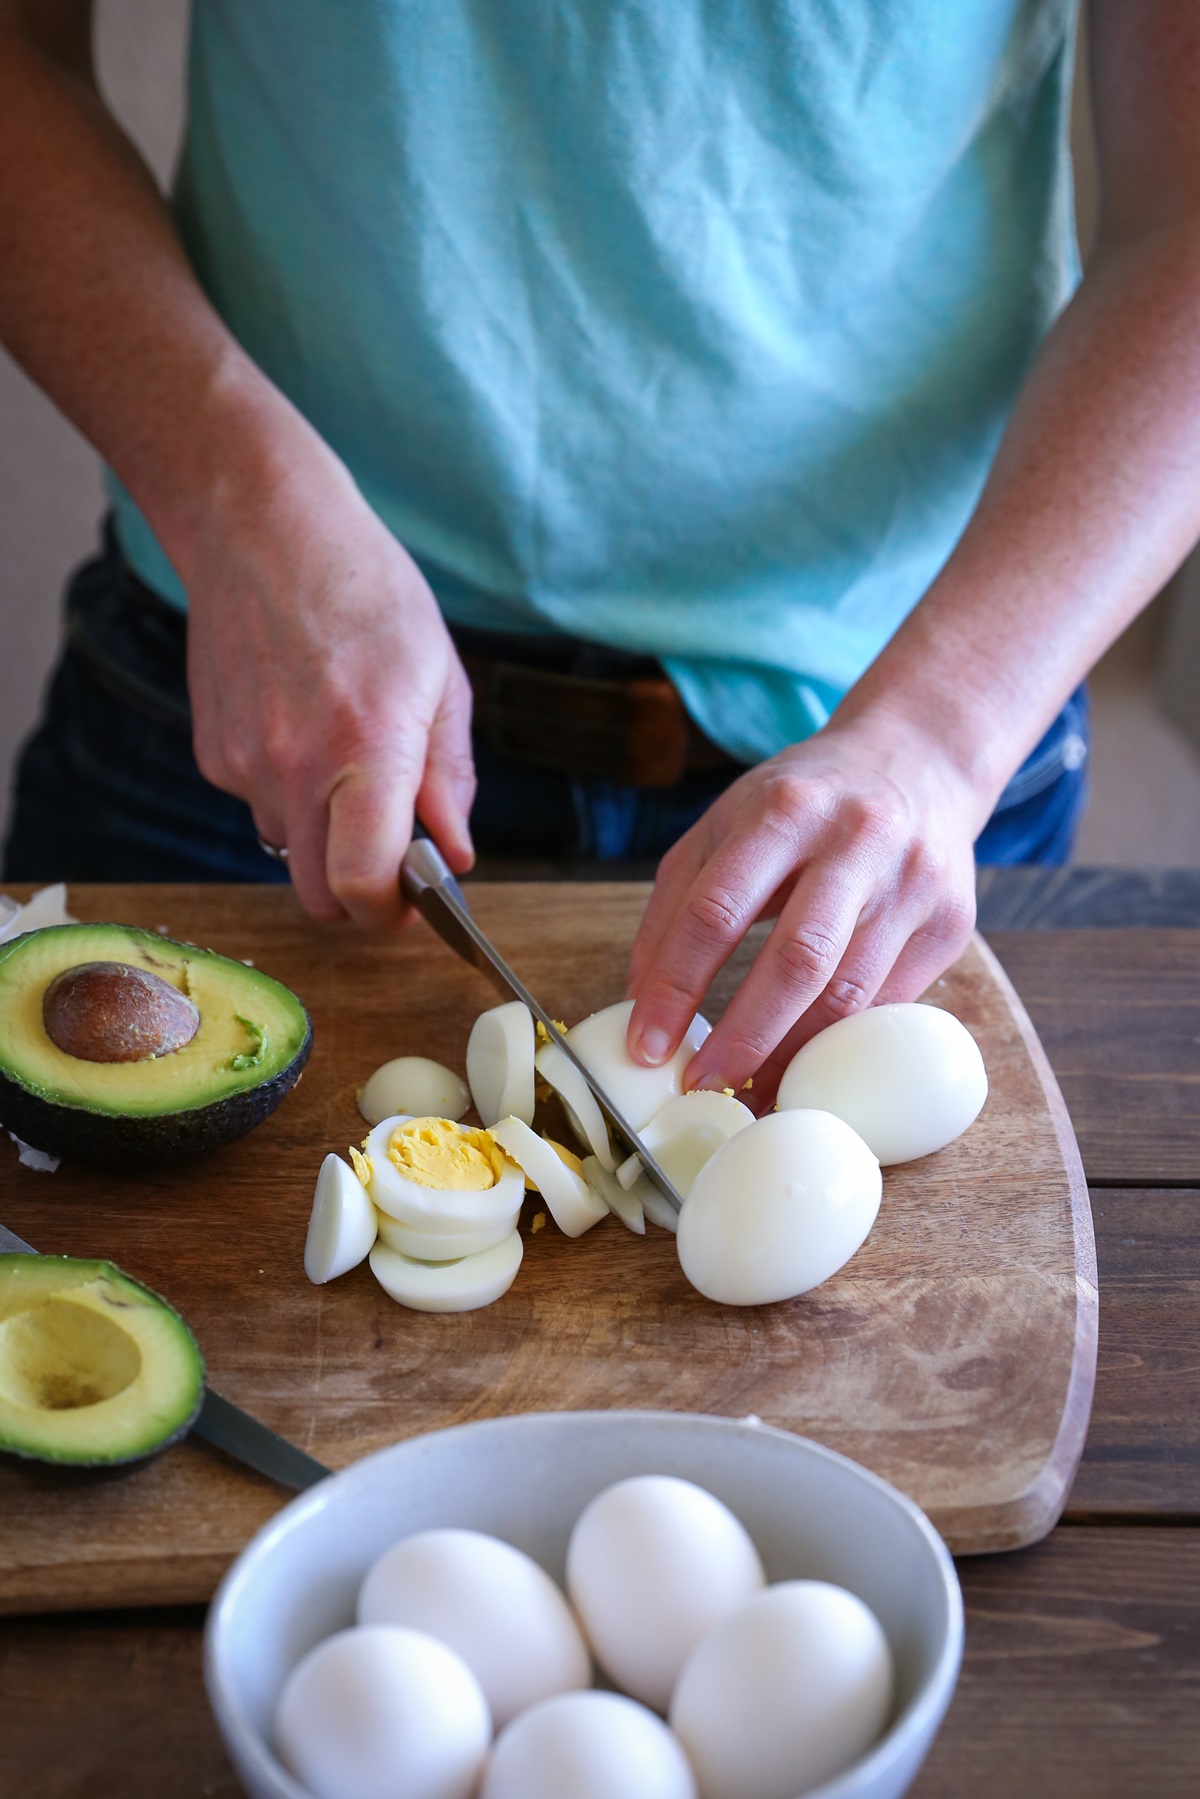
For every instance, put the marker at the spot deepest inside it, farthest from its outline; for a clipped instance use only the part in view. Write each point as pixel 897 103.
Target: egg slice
pixel 652 1564
pixel 476 1185
pixel 377 1711
pixel 908 1078
pixel 778 1209
pixel 579 1102
pixel 461 1286
pixel 415 1087
pixel 685 1133
pixel 488 1602
pixel 587 1746
pixel 569 1199
pixel 441 1246
pixel 785 1694
pixel 343 1224
pixel 658 1209
pixel 625 1203
pixel 629 1170
pixel 500 1063
pixel 636 1092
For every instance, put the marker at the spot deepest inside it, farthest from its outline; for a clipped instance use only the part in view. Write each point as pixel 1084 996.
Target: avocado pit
pixel 111 1012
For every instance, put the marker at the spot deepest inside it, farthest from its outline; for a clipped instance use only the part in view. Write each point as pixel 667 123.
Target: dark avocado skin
pixel 107 1141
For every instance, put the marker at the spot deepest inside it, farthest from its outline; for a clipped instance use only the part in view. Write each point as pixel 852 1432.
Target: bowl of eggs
pixel 588 1605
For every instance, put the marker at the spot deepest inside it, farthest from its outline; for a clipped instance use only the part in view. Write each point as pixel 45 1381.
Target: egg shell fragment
pixel 579 1102
pixel 652 1564
pixel 689 1130
pixel 376 1711
pixel 343 1224
pixel 416 1087
pixel 462 1286
pixel 785 1694
pixel 441 1246
pixel 490 1603
pixel 636 1092
pixel 778 1209
pixel 569 1199
pixel 500 1062
pixel 437 1208
pixel 587 1746
pixel 908 1078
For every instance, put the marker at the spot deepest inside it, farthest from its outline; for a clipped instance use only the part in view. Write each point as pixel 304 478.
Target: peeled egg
pixel 438 1208
pixel 569 1199
pixel 685 1133
pixel 500 1062
pixel 377 1711
pixel 908 1078
pixel 652 1564
pixel 785 1694
pixel 343 1224
pixel 587 1746
pixel 416 1086
pixel 491 1604
pixel 637 1092
pixel 778 1209
pixel 579 1102
pixel 461 1286
pixel 441 1246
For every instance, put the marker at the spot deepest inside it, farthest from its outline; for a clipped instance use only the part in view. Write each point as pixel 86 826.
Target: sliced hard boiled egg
pixel 461 1286
pixel 629 1171
pixel 626 1204
pixel 441 1246
pixel 582 1109
pixel 343 1224
pixel 571 1202
pixel 637 1092
pixel 908 1078
pixel 416 1087
pixel 423 1175
pixel 779 1208
pixel 688 1130
pixel 658 1209
pixel 500 1063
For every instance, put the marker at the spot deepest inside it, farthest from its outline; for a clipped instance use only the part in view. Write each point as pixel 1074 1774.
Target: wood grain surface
pixel 955 1354
pixel 1081 1680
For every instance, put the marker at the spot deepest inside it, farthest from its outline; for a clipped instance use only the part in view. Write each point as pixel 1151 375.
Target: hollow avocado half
pixel 95 1369
pixel 250 1040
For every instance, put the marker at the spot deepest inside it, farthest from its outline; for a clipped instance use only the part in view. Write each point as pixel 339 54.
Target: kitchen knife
pixel 428 885
pixel 226 1426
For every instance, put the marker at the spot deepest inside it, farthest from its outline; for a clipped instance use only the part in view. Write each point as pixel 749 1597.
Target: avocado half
pixel 95 1369
pixel 250 1041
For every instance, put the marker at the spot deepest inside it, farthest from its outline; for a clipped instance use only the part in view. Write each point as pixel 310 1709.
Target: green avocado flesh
pixel 94 1367
pixel 249 1049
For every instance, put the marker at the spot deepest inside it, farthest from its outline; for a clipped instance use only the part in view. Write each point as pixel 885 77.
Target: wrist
pixel 922 749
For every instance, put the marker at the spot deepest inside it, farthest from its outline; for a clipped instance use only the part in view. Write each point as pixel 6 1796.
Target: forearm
pixel 1092 503
pixel 99 304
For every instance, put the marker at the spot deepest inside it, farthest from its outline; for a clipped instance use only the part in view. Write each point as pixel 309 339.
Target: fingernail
pixel 709 1083
pixel 652 1046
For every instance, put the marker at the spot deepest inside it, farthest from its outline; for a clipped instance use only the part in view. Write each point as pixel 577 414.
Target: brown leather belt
pixel 631 729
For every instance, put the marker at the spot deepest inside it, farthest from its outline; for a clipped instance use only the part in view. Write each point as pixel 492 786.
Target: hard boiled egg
pixel 779 1208
pixel 500 1062
pixel 652 1564
pixel 685 1133
pixel 491 1604
pixel 637 1092
pixel 587 1746
pixel 377 1711
pixel 439 1175
pixel 415 1086
pixel 907 1078
pixel 571 1202
pixel 462 1286
pixel 784 1694
pixel 343 1224
pixel 440 1246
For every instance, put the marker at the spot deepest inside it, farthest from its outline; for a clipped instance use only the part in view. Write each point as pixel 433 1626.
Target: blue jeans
pixel 108 789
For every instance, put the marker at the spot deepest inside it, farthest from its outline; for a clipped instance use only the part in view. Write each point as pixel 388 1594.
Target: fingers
pixel 448 784
pixel 370 826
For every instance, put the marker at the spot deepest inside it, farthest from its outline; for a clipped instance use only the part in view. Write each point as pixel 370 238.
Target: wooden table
pixel 1082 1669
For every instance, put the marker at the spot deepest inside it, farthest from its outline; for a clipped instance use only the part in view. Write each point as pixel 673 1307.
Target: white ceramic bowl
pixel 810 1512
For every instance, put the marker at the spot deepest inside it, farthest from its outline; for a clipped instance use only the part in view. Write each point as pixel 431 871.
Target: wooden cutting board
pixel 955 1354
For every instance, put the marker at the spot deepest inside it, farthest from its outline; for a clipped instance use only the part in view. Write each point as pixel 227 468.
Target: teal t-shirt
pixel 685 326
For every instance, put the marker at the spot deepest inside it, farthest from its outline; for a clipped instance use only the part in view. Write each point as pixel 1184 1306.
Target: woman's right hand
pixel 325 689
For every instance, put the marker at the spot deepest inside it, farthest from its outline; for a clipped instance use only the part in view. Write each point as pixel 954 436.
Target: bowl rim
pixel 924 1710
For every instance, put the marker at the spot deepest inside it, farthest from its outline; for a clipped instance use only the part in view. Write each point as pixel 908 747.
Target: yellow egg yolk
pixel 433 1152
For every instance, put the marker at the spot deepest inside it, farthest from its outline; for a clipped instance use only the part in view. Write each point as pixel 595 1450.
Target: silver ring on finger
pixel 277 852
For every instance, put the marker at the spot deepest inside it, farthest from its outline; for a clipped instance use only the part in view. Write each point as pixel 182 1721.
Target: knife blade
pixel 429 885
pixel 226 1426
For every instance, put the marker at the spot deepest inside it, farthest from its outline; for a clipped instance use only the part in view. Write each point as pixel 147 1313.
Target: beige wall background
pixel 50 492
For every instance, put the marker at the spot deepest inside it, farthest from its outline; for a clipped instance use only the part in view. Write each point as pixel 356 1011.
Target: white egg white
pixel 687 1132
pixel 637 1092
pixel 626 1203
pixel 343 1224
pixel 579 1102
pixel 460 1286
pixel 414 1086
pixel 441 1246
pixel 569 1199
pixel 500 1062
